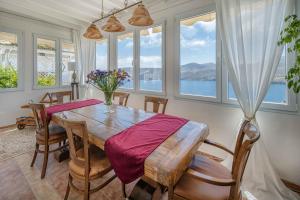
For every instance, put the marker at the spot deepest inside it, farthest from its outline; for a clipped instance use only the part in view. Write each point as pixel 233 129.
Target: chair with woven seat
pixel 207 179
pixel 156 102
pixel 46 135
pixel 122 96
pixel 88 162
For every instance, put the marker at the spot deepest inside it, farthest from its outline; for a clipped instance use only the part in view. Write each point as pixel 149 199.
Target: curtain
pixel 88 63
pixel 77 45
pixel 249 31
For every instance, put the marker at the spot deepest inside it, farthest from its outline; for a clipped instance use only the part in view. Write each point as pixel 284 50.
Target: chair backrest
pixel 79 129
pixel 40 118
pixel 248 135
pixel 123 98
pixel 58 97
pixel 156 101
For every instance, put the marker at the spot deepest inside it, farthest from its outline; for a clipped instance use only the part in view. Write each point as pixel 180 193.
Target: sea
pixel 277 92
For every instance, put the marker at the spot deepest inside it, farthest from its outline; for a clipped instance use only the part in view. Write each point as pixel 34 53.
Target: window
pixel 68 55
pixel 46 62
pixel 9 61
pixel 198 63
pixel 151 63
pixel 102 54
pixel 125 57
pixel 278 91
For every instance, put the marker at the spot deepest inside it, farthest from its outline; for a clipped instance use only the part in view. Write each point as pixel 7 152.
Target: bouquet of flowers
pixel 107 81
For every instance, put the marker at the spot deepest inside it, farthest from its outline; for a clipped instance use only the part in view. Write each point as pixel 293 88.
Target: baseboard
pixel 8 126
pixel 292 186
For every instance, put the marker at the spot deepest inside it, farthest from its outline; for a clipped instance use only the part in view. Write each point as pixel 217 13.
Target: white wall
pixel 280 130
pixel 10 102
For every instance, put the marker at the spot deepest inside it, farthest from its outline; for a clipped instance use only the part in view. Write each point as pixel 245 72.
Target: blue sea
pixel 276 93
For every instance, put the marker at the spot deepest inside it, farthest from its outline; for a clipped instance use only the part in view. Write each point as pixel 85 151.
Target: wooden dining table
pixel 166 164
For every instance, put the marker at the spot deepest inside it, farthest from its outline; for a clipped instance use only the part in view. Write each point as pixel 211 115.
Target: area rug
pixel 14 142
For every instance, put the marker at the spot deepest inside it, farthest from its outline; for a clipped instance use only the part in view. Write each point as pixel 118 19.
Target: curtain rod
pixel 106 16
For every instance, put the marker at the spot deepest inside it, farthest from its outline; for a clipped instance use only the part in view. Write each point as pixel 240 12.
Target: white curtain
pixel 77 44
pixel 88 55
pixel 249 31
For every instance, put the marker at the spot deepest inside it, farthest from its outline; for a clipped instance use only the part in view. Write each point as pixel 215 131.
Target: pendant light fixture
pixel 113 25
pixel 141 17
pixel 92 32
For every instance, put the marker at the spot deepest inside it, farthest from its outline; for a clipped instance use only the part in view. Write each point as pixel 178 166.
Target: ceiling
pixel 69 13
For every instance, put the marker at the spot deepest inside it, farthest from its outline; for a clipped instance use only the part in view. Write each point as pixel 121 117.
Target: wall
pixel 10 102
pixel 280 131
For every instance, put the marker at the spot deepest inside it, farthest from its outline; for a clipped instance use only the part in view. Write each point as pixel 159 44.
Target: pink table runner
pixel 70 106
pixel 128 150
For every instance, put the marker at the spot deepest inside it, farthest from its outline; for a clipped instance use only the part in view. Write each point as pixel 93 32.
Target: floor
pixel 20 181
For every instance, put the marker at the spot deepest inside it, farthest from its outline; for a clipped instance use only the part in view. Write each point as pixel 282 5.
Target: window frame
pixel 161 23
pixel 290 106
pixel 61 41
pixel 20 59
pixel 134 62
pixel 176 82
pixel 57 61
pixel 108 38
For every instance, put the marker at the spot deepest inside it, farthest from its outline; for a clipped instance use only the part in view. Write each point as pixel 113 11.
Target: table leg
pixel 170 192
pixel 77 91
pixel 72 91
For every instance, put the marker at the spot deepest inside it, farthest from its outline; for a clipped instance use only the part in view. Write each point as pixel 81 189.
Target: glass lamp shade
pixel 141 17
pixel 92 32
pixel 113 25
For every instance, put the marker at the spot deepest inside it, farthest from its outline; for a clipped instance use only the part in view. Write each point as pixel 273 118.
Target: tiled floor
pixel 19 181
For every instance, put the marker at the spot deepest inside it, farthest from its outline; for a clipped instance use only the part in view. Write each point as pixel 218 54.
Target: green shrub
pixel 46 80
pixel 8 77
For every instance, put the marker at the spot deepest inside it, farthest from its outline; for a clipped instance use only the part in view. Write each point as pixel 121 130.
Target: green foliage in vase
pixel 8 77
pixel 291 35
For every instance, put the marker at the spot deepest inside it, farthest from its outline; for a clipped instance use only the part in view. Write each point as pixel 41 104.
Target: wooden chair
pixel 156 101
pixel 123 97
pixel 87 163
pixel 46 135
pixel 58 97
pixel 207 179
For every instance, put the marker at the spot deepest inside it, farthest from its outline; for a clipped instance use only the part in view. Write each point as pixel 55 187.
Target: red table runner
pixel 70 106
pixel 128 150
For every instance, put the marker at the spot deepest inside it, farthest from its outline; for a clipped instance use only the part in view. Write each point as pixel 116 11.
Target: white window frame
pixel 163 55
pixel 108 38
pixel 290 106
pixel 61 41
pixel 186 15
pixel 134 61
pixel 57 61
pixel 20 59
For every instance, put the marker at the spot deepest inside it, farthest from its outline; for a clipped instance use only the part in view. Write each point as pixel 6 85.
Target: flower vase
pixel 108 101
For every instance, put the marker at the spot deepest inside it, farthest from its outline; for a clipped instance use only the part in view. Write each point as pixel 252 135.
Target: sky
pixel 198 44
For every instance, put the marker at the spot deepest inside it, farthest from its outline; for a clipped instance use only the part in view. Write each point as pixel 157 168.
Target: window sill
pixel 11 90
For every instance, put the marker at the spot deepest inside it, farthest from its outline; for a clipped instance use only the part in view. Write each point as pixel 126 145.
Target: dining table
pixel 167 163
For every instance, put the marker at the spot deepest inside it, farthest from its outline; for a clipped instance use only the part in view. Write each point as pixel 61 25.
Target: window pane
pixel 125 56
pixel 68 55
pixel 151 59
pixel 102 54
pixel 8 60
pixel 46 62
pixel 198 55
pixel 277 92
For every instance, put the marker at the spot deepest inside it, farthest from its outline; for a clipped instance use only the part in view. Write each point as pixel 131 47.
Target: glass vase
pixel 108 101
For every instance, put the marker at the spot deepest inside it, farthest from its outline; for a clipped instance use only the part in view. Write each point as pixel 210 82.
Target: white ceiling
pixel 70 13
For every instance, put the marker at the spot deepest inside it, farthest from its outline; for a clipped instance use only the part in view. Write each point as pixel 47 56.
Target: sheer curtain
pixel 77 44
pixel 88 55
pixel 249 31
